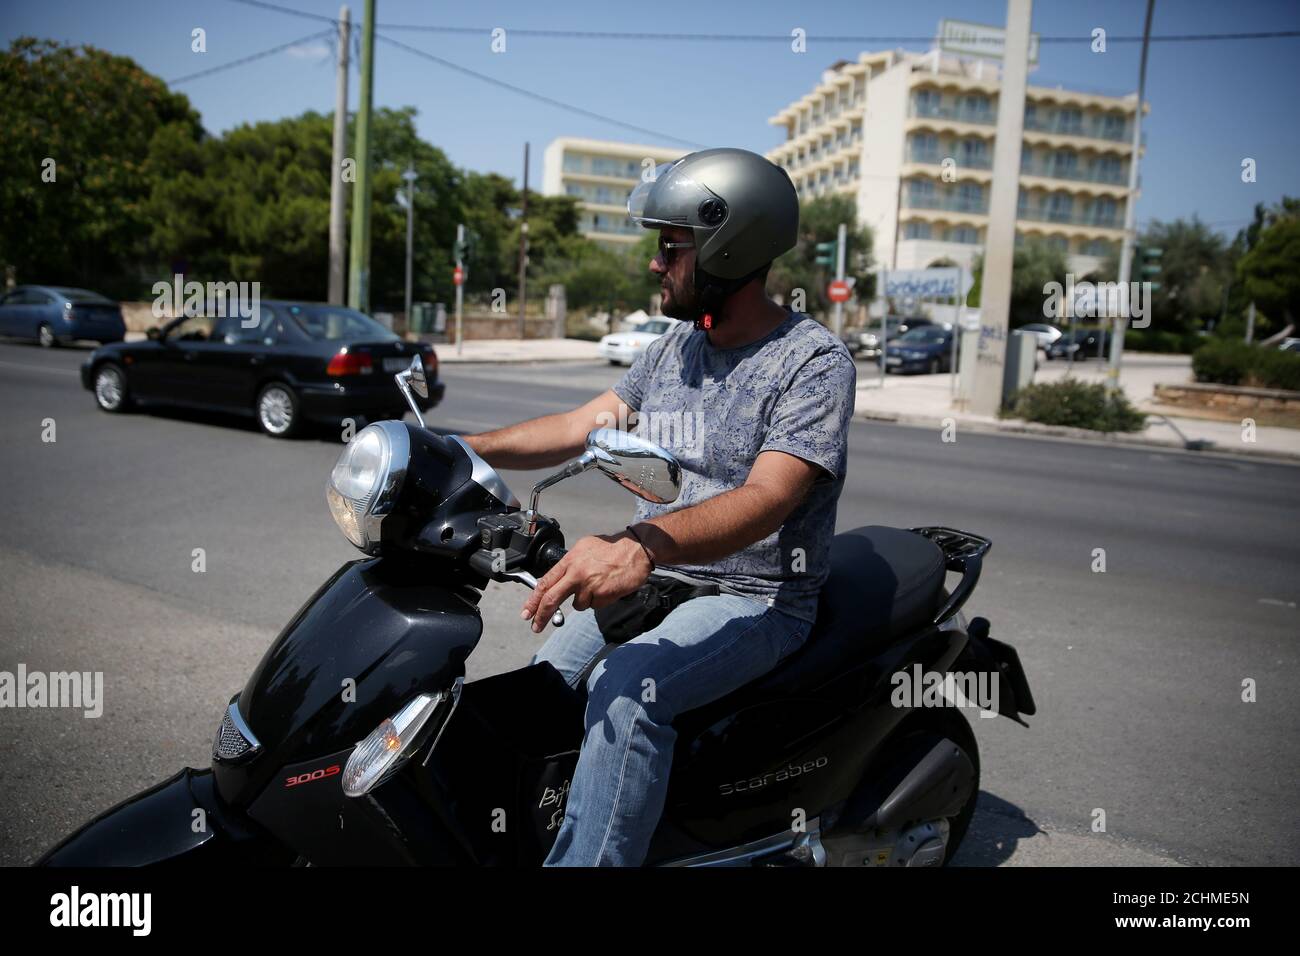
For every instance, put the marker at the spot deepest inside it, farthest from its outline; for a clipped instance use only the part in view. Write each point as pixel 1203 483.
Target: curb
pixel 1023 429
pixel 513 359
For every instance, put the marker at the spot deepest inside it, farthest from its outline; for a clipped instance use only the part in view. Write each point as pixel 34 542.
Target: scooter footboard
pixel 179 821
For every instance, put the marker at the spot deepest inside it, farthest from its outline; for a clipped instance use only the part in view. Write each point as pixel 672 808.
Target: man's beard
pixel 683 304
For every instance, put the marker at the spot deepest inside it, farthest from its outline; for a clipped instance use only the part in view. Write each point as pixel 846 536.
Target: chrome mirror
pixel 641 467
pixel 412 380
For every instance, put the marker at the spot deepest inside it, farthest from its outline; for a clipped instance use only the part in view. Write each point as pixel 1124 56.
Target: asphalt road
pixel 1137 671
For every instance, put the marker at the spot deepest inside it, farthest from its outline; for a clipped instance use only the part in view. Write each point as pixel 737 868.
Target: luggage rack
pixel 963 553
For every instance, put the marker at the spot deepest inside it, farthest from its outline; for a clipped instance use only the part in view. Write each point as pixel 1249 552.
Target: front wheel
pixel 111 391
pixel 277 410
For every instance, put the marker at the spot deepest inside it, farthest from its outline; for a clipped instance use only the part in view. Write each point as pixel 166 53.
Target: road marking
pixel 1276 603
pixel 41 368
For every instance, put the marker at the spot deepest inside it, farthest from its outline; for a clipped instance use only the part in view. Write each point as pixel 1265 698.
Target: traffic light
pixel 1146 265
pixel 826 254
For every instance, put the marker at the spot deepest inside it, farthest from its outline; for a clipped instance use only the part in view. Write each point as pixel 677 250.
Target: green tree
pixel 1034 265
pixel 1195 269
pixel 103 121
pixel 1270 272
pixel 819 221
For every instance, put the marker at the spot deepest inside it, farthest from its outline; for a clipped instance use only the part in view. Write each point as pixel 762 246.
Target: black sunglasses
pixel 668 250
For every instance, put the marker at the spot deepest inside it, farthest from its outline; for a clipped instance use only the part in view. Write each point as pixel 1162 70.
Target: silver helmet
pixel 742 209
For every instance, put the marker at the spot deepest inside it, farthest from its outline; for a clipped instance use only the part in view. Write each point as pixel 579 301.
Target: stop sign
pixel 838 291
pixel 458 275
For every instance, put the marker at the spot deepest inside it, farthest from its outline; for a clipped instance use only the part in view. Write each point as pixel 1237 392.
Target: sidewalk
pixel 927 400
pixel 519 350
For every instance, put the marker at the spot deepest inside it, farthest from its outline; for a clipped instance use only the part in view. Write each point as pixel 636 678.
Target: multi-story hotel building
pixel 910 137
pixel 601 174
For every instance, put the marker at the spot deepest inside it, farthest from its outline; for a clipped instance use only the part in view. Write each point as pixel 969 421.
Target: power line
pixel 249 59
pixel 550 101
pixel 766 37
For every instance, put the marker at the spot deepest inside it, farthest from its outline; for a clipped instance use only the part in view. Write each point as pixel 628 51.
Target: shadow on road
pixel 994 832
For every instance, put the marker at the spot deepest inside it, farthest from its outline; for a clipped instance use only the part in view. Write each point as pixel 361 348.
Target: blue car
pixel 53 314
pixel 927 348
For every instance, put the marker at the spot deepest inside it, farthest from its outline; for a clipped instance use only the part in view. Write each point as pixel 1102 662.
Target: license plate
pixel 893 361
pixel 396 364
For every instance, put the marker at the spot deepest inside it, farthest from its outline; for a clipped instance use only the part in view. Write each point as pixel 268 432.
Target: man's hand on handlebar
pixel 597 571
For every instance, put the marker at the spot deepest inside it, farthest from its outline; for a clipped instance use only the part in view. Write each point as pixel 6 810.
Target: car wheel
pixel 277 410
pixel 111 392
pixel 45 336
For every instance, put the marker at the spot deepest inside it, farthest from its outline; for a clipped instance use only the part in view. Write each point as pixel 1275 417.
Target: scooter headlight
pixel 366 481
pixel 388 744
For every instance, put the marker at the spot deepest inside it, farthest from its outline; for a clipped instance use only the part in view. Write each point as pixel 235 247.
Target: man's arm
pixel 550 440
pixel 599 570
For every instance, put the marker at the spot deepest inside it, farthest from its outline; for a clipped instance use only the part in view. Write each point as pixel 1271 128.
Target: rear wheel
pixel 917 735
pixel 111 392
pixel 277 410
pixel 45 336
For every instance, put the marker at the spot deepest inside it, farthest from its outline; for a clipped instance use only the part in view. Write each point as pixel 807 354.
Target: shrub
pixel 1223 362
pixel 1236 363
pixel 1156 340
pixel 1077 404
pixel 1276 369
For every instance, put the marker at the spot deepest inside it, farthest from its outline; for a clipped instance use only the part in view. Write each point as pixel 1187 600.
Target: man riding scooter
pixel 768 394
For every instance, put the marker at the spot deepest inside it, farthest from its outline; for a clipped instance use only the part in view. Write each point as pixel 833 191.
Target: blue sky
pixel 1212 104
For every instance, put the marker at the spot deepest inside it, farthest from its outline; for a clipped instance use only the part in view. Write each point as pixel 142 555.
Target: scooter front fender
pixel 179 821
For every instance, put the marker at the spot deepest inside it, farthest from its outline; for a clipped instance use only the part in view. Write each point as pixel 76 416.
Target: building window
pixel 1065 164
pixel 1103 210
pixel 974 153
pixel 1112 126
pixel 920 191
pixel 927 102
pixel 1031 116
pixel 574 163
pixel 916 230
pixel 970 197
pixel 1109 169
pixel 1069 121
pixel 975 108
pixel 925 148
pixel 1060 207
pixel 1058 242
pixel 1096 247
pixel 964 234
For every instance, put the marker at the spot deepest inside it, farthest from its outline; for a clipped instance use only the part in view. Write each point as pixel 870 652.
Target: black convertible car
pixel 300 362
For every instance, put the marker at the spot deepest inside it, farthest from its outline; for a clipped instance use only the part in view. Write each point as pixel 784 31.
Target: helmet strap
pixel 711 292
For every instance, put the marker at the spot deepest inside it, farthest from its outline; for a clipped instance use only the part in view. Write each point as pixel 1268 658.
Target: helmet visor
pixel 667 199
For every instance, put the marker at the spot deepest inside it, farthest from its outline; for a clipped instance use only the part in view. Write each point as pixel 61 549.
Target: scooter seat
pixel 883 584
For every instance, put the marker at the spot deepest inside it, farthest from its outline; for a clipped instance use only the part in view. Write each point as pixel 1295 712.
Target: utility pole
pixel 1130 218
pixel 841 242
pixel 523 249
pixel 410 178
pixel 359 271
pixel 338 271
pixel 999 249
pixel 460 288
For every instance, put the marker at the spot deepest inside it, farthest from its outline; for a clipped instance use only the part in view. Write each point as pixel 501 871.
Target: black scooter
pixel 356 740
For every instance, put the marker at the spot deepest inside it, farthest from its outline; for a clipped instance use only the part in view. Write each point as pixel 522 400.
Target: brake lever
pixel 528 581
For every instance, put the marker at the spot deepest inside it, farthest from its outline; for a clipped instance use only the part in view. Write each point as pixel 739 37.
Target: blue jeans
pixel 704 649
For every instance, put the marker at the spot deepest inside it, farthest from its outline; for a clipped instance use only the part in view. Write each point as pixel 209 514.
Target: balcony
pixel 958 114
pixel 1090 128
pixel 1034 213
pixel 1089 174
pixel 935 157
pixel 946 203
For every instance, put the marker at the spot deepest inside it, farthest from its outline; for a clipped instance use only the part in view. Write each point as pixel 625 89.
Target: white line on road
pixel 41 368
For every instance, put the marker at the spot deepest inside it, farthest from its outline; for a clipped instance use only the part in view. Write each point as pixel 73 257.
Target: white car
pixel 1046 334
pixel 622 348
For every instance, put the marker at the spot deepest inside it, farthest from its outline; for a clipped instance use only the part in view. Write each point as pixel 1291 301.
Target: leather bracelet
pixel 648 553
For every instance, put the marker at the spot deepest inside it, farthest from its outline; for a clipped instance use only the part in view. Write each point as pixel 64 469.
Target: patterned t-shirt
pixel 717 409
